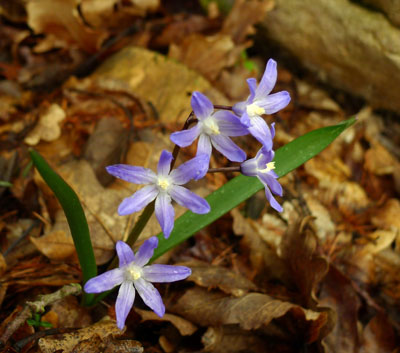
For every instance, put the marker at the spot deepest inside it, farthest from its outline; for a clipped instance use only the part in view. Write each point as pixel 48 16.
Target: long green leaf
pixel 239 189
pixel 75 216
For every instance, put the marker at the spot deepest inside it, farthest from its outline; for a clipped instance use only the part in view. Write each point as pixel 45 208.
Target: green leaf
pixel 5 184
pixel 75 216
pixel 239 189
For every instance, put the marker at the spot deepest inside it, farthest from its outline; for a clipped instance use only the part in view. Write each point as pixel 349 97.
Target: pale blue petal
pixel 263 157
pixel 268 80
pixel 252 83
pixel 274 204
pixel 275 102
pixel 123 305
pixel 146 251
pixel 240 108
pixel 260 130
pixel 192 169
pixel 228 148
pixel 272 183
pixel 138 200
pixel 201 105
pixel 245 120
pixel 105 281
pixel 132 174
pixel 150 296
pixel 165 213
pixel 229 124
pixel 189 199
pixel 272 128
pixel 204 146
pixel 125 253
pixel 249 167
pixel 185 138
pixel 165 273
pixel 164 164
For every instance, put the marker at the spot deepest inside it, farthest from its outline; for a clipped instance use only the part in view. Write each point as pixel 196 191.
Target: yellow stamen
pixel 163 184
pixel 270 166
pixel 212 126
pixel 254 110
pixel 134 273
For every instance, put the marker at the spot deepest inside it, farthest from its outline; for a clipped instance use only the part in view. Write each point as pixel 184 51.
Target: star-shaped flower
pixel 163 187
pixel 213 129
pixel 262 167
pixel 260 102
pixel 133 274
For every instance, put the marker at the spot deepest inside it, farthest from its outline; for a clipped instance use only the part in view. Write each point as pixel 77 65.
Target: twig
pixel 22 237
pixel 38 306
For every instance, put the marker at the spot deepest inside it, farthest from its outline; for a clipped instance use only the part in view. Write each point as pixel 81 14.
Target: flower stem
pixel 224 169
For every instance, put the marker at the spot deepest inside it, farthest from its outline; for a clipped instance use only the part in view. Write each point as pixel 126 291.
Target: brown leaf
pixel 378 336
pixel 60 18
pixel 210 276
pixel 68 341
pixel 185 328
pixel 307 268
pixel 251 311
pixel 48 128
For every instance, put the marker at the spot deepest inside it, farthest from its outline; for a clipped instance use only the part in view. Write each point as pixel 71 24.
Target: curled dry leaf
pixel 251 311
pixel 48 127
pixel 306 266
pixel 68 341
pixel 378 336
pixel 185 327
pixel 232 339
pixel 209 276
pixel 60 19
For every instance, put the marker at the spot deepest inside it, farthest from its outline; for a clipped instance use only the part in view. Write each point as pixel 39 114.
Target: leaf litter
pixel 323 276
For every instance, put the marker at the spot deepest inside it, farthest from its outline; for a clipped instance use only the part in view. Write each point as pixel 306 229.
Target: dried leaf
pixel 378 336
pixel 68 341
pixel 47 129
pixel 185 328
pixel 251 311
pixel 210 276
pixel 60 18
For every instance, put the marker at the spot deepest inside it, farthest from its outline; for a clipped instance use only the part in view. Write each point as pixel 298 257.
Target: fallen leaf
pixel 68 341
pixel 211 276
pixel 185 327
pixel 378 336
pixel 47 128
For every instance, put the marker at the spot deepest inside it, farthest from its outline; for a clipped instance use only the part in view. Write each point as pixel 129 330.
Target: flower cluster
pixel 213 129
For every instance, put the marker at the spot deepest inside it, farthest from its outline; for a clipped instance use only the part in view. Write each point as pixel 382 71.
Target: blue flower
pixel 213 129
pixel 163 187
pixel 133 274
pixel 260 102
pixel 262 167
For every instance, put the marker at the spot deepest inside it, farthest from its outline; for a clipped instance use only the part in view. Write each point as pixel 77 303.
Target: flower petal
pixel 185 138
pixel 275 102
pixel 249 167
pixel 125 253
pixel 138 200
pixel 146 251
pixel 252 83
pixel 274 204
pixel 150 296
pixel 263 157
pixel 204 146
pixel 228 148
pixel 240 108
pixel 260 130
pixel 229 124
pixel 105 281
pixel 165 273
pixel 123 305
pixel 268 80
pixel 165 213
pixel 164 164
pixel 201 105
pixel 132 174
pixel 272 183
pixel 245 120
pixel 191 169
pixel 189 199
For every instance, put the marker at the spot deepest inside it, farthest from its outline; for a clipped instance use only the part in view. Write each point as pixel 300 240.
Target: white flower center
pixel 210 126
pixel 163 183
pixel 133 272
pixel 268 167
pixel 254 110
